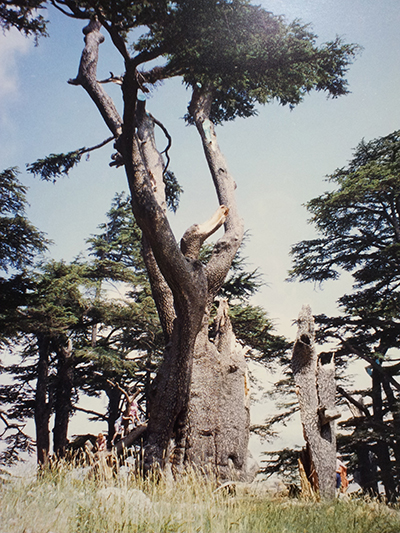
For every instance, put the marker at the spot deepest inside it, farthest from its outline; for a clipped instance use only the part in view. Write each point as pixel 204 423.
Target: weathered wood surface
pixel 315 386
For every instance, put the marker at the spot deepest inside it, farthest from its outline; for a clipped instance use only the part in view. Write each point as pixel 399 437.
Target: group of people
pixel 129 415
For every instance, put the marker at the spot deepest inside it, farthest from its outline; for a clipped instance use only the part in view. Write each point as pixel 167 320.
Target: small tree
pixel 120 326
pixel 20 241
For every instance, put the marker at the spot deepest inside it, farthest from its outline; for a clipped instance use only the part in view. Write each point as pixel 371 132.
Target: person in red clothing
pixel 341 475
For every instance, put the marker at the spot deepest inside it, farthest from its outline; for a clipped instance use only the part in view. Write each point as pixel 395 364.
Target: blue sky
pixel 279 159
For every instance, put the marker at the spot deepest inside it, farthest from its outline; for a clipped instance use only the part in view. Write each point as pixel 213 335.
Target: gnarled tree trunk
pixel 183 288
pixel 217 433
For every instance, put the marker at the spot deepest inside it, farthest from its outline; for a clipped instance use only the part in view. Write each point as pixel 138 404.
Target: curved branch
pixel 169 139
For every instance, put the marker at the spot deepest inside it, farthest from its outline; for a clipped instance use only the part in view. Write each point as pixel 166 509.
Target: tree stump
pixel 315 387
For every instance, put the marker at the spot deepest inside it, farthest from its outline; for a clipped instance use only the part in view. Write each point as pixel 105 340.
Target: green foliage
pixel 246 55
pixel 250 323
pixel 24 16
pixel 359 224
pixel 55 165
pixel 254 330
pixel 240 284
pixel 20 240
pixel 358 221
pixel 119 240
pixel 46 304
pixel 173 191
pixel 283 463
pixel 241 52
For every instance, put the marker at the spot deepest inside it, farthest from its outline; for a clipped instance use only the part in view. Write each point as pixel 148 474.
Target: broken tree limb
pixel 195 236
pixel 315 388
pixel 127 441
pixel 87 77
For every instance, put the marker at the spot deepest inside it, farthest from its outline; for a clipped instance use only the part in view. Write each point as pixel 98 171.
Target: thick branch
pixel 372 362
pixel 185 278
pixel 159 73
pixel 161 292
pixel 75 11
pixel 87 77
pixel 152 158
pixel 354 402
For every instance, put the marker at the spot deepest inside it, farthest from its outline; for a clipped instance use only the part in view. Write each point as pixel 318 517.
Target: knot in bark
pixel 93 26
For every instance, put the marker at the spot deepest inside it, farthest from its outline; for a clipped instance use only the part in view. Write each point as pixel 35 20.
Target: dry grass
pixel 72 500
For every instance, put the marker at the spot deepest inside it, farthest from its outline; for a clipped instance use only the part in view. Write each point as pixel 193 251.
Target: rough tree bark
pixel 217 431
pixel 382 447
pixel 63 404
pixel 183 287
pixel 315 386
pixel 42 407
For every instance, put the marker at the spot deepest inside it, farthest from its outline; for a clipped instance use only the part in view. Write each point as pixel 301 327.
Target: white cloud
pixel 12 44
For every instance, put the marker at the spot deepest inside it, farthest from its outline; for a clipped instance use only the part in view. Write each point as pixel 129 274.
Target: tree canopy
pixel 24 16
pixel 20 241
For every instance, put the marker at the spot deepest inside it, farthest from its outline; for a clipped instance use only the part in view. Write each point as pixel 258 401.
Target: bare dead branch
pixel 97 146
pixel 90 412
pixel 194 237
pixel 112 79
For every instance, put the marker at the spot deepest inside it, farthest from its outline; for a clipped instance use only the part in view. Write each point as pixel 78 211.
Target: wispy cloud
pixel 12 45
